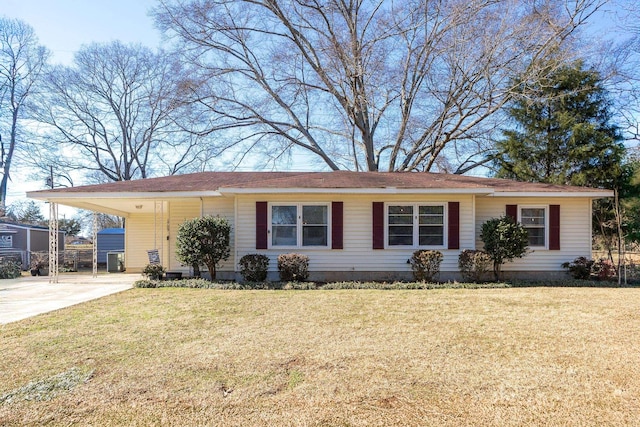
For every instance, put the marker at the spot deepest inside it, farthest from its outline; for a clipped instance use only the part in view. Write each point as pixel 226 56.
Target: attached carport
pixel 135 201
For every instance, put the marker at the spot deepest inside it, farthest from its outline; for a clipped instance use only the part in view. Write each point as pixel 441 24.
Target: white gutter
pixel 591 194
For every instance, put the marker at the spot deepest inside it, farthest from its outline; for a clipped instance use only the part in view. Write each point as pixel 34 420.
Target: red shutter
pixel 512 212
pixel 336 225
pixel 261 225
pixel 554 227
pixel 454 225
pixel 378 225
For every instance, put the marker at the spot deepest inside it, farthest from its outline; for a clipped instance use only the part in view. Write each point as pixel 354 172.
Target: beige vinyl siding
pixel 357 254
pixel 575 230
pixel 184 209
pixel 139 238
pixel 159 231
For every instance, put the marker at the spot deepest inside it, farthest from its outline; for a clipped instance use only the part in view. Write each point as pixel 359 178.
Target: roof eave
pixel 55 195
pixel 485 191
pixel 589 194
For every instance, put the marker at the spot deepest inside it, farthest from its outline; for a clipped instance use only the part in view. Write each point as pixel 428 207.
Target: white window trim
pixel 299 225
pixel 416 228
pixel 546 223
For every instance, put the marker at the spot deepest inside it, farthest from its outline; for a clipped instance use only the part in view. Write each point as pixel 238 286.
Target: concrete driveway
pixel 29 296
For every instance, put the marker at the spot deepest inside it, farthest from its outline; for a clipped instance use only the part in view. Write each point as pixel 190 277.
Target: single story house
pixel 352 225
pixel 18 241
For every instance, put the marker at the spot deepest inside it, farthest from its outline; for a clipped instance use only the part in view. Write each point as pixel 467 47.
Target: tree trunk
pixel 3 193
pixel 621 255
pixel 212 271
pixel 496 271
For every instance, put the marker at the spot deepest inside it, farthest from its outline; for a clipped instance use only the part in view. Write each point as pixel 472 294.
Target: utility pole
pixel 49 179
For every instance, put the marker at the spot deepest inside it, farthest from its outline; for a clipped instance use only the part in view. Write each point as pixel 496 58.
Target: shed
pixel 109 240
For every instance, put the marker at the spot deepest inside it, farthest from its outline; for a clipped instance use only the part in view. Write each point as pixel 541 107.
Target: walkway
pixel 29 296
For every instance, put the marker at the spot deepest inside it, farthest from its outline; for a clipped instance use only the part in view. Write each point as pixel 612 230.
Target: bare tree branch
pixel 120 111
pixel 22 62
pixel 367 84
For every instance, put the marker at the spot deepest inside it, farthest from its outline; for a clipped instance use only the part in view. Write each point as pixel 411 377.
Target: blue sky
pixel 64 25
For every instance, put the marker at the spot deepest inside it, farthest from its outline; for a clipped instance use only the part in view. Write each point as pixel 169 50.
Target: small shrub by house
pixel 474 265
pixel 425 265
pixel 293 267
pixel 10 269
pixel 154 271
pixel 254 267
pixel 579 268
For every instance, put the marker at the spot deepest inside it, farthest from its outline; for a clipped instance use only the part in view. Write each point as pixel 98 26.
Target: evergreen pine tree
pixel 562 132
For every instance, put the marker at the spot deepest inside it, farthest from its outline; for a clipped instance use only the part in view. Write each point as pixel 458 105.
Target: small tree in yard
pixel 203 241
pixel 504 240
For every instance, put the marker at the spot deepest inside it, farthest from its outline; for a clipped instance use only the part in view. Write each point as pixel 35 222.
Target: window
pixel 400 225
pixel 284 225
pixel 431 225
pixel 299 225
pixel 314 226
pixel 534 220
pixel 415 225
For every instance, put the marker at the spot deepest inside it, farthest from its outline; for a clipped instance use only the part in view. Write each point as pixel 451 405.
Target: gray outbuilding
pixel 21 240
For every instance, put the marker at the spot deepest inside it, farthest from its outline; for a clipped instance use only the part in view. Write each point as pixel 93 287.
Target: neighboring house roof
pixel 23 226
pixel 140 196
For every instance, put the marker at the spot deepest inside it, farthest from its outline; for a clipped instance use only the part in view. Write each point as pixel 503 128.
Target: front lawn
pixel 456 357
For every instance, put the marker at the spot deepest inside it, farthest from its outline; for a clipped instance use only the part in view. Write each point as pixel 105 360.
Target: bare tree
pixel 22 62
pixel 619 59
pixel 365 84
pixel 116 115
pixel 103 220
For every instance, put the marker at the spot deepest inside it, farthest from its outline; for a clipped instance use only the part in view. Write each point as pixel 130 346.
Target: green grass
pixel 456 357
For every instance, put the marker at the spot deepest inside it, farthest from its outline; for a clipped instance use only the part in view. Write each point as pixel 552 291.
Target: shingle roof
pixel 219 181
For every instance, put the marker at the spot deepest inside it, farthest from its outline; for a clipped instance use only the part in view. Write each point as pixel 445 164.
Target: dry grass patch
pixel 529 356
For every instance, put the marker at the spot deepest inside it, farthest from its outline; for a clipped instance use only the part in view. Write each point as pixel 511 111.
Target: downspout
pixel 164 226
pixel 590 255
pixel 155 225
pixel 168 235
